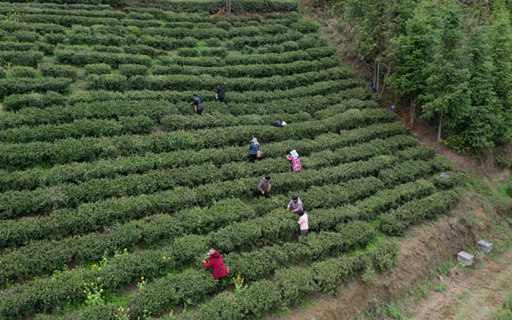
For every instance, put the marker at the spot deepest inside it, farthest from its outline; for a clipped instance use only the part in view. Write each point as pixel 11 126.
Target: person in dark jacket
pixel 214 260
pixel 198 104
pixel 253 149
pixel 221 92
pixel 264 186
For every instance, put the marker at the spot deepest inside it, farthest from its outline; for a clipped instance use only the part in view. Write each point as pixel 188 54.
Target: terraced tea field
pixel 113 189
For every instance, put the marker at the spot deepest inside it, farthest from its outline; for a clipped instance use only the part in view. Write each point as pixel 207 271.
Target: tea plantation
pixel 112 189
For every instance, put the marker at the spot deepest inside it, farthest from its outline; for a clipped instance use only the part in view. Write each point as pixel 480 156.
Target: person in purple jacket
pixel 295 205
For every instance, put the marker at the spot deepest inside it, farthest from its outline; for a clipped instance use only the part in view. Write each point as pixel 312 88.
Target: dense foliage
pixel 449 62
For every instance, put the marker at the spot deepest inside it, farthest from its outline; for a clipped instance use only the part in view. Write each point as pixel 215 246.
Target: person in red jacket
pixel 215 261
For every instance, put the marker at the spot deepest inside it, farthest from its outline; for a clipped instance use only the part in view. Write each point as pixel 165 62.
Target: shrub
pixel 53 70
pixel 81 58
pixel 26 85
pixel 139 164
pixel 110 49
pixel 54 38
pixel 108 82
pixel 99 69
pixel 143 50
pixel 174 291
pixel 294 284
pixel 260 298
pixel 46 48
pixel 33 100
pixel 224 306
pixel 214 52
pixel 78 129
pixel 130 70
pixel 90 148
pixel 22 72
pixel 329 274
pixel 305 26
pixel 26 36
pixel 16 46
pixel 384 255
pixel 290 46
pixel 187 52
pixel 22 58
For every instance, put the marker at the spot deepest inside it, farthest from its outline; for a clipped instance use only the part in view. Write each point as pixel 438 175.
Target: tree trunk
pixel 383 86
pixel 228 7
pixel 374 75
pixel 439 131
pixel 378 77
pixel 413 109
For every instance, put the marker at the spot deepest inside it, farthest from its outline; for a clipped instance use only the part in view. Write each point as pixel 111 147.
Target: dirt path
pixel 471 294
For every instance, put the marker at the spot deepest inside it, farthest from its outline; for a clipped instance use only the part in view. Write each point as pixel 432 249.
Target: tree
pixel 411 55
pixel 483 124
pixel 501 44
pixel 447 96
pixel 374 21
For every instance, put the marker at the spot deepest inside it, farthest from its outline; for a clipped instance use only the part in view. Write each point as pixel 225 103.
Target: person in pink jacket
pixel 296 165
pixel 303 223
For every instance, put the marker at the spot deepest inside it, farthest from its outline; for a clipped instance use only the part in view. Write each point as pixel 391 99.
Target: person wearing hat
pixel 295 205
pixel 198 105
pixel 214 260
pixel 253 150
pixel 264 186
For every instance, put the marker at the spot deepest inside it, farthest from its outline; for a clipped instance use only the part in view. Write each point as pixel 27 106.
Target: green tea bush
pixel 305 26
pixel 187 52
pixel 78 129
pixel 26 85
pixel 430 207
pixel 185 82
pixel 77 172
pixel 26 36
pixel 256 71
pixel 16 46
pixel 123 209
pixel 87 149
pixel 214 52
pixel 28 58
pixel 22 72
pixel 108 82
pixel 99 68
pixel 320 88
pixel 176 122
pixel 58 71
pixel 294 284
pixel 130 70
pixel 33 100
pixel 144 50
pixel 54 38
pixel 111 49
pixel 41 28
pixel 81 58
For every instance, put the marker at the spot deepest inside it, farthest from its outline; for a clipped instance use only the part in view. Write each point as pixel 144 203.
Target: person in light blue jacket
pixel 253 150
